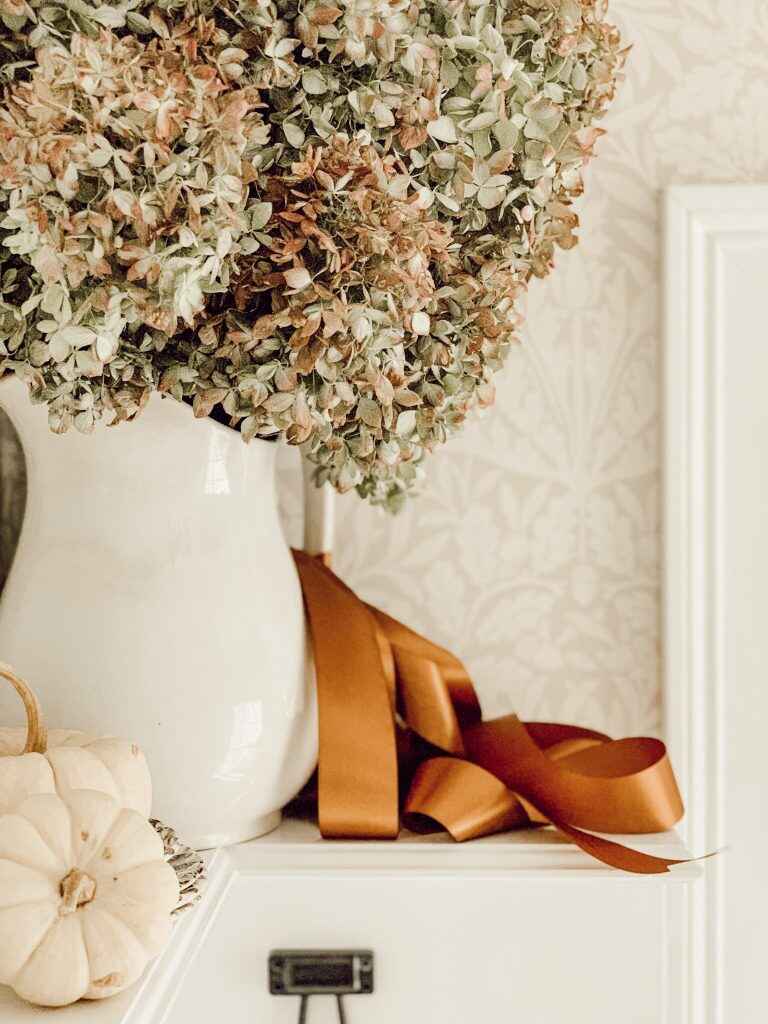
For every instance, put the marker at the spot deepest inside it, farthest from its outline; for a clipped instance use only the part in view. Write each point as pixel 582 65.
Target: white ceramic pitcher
pixel 153 597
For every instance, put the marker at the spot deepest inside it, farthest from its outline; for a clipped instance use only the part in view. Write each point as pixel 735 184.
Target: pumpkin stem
pixel 37 735
pixel 76 890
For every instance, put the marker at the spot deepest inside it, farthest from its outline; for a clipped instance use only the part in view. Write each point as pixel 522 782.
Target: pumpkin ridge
pixel 124 783
pixel 107 784
pixel 102 856
pixel 132 945
pixel 77 826
pixel 20 863
pixel 28 773
pixel 73 921
pixel 126 828
pixel 34 950
pixel 105 906
pixel 53 823
pixel 32 871
pixel 117 895
pixel 27 908
pixel 43 839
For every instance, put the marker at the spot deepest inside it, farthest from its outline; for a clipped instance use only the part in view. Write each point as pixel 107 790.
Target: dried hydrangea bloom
pixel 356 329
pixel 312 222
pixel 122 165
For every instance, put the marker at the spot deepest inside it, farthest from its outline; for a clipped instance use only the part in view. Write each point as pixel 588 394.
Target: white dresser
pixel 511 928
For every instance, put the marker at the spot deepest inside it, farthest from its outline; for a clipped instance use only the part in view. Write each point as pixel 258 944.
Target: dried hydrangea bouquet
pixel 311 219
pixel 315 219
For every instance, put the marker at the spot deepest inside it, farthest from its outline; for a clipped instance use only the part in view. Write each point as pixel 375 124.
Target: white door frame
pixel 704 228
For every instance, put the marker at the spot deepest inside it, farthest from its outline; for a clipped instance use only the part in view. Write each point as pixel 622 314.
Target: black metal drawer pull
pixel 320 972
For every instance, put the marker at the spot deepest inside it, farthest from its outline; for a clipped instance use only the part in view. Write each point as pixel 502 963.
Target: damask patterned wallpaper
pixel 534 551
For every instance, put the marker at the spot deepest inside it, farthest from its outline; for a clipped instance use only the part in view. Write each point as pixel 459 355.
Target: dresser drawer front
pixel 451 949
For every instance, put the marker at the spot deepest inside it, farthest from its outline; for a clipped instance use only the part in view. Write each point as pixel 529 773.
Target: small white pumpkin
pixel 33 760
pixel 85 897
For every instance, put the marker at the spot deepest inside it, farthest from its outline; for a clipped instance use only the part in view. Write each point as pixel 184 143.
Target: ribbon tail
pixel 615 855
pixel 470 802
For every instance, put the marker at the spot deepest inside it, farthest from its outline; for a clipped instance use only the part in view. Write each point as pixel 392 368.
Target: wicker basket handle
pixel 37 734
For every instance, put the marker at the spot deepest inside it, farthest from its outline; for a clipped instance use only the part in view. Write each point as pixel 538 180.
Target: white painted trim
pixel 701 225
pixel 700 222
pixel 296 848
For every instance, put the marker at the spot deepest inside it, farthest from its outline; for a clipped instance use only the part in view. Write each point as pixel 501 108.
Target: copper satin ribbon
pixel 394 706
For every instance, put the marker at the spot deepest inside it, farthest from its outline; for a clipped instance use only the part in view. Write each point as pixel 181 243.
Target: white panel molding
pixel 704 227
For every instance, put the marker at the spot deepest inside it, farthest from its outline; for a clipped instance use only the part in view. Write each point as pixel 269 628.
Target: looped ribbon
pixel 398 713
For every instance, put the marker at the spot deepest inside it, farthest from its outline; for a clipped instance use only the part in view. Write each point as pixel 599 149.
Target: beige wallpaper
pixel 534 550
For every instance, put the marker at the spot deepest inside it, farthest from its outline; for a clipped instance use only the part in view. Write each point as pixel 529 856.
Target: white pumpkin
pixel 85 897
pixel 33 760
